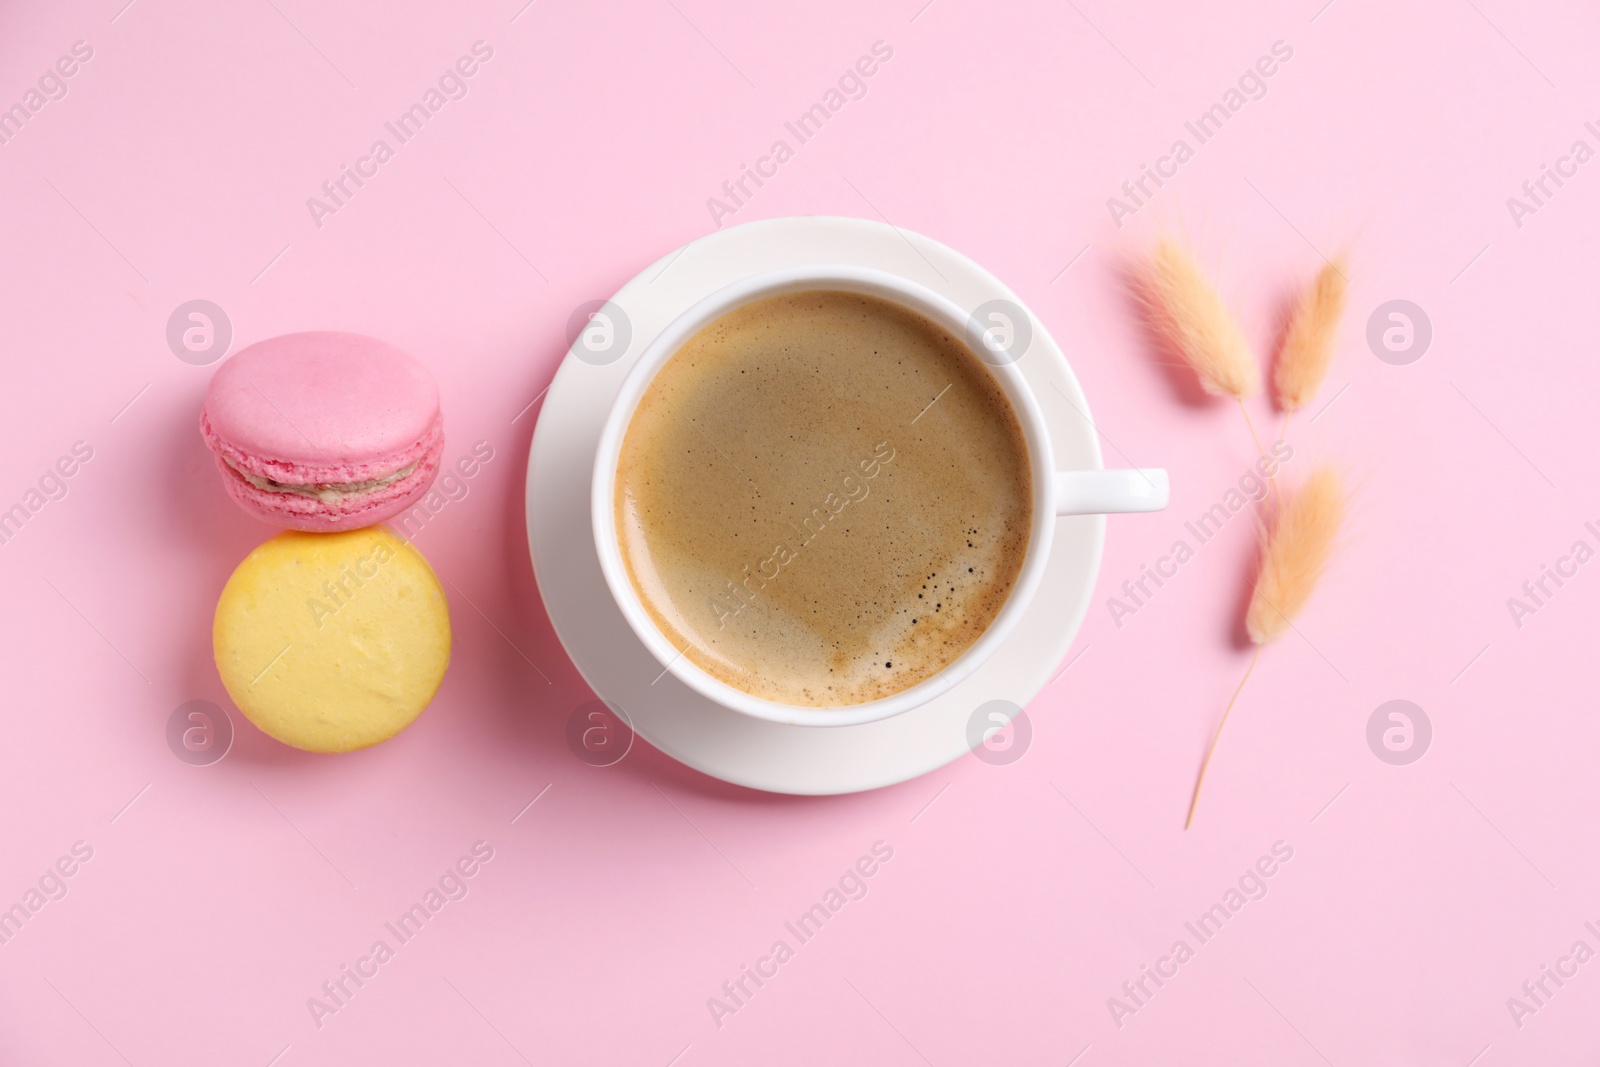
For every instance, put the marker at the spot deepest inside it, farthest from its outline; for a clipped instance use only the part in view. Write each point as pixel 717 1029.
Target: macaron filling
pixel 326 492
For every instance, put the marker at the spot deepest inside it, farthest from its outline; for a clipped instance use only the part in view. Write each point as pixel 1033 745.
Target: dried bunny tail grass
pixel 1199 325
pixel 1294 555
pixel 1296 551
pixel 1309 343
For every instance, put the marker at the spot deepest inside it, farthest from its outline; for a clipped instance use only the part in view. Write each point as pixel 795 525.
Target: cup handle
pixel 1112 492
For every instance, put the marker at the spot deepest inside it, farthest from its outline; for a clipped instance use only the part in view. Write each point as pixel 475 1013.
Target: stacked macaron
pixel 336 636
pixel 324 431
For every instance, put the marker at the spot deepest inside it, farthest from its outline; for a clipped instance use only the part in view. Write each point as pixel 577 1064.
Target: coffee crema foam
pixel 823 498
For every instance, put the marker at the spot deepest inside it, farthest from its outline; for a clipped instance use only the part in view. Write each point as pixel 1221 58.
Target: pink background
pixel 1019 897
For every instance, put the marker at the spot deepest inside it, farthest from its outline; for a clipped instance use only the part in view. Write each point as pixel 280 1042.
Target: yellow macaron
pixel 331 642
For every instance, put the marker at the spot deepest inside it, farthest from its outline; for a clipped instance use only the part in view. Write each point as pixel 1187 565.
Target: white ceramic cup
pixel 1055 493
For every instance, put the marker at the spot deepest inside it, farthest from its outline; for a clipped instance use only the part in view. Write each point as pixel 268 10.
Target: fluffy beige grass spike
pixel 1294 555
pixel 1296 552
pixel 1309 343
pixel 1199 325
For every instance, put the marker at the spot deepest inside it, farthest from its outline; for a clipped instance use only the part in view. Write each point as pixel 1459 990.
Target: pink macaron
pixel 324 431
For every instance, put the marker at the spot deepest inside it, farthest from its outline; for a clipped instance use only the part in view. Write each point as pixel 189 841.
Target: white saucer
pixel 664 711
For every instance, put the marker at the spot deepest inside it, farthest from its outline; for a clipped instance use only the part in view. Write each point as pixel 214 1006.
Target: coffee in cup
pixel 823 498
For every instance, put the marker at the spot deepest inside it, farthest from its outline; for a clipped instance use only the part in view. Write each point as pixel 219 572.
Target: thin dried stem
pixel 1272 479
pixel 1201 781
